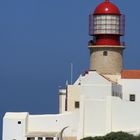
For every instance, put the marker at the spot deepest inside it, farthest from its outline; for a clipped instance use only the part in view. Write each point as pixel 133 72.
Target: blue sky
pixel 38 41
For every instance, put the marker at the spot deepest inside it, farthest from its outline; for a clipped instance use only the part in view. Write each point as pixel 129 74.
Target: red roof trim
pixel 130 74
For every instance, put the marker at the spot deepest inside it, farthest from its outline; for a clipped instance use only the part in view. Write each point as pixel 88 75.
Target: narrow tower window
pixel 105 53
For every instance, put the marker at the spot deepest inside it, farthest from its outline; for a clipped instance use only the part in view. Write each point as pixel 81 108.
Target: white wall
pixel 54 123
pixel 39 124
pixel 11 129
pixel 130 86
pixel 94 109
pixel 101 116
pixel 96 91
pixel 94 117
pixel 73 95
pixel 95 86
pixel 93 78
pixel 125 115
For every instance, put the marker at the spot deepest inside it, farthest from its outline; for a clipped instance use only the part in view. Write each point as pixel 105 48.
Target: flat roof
pixel 16 115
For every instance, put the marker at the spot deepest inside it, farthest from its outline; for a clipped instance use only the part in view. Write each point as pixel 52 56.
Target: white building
pixel 104 99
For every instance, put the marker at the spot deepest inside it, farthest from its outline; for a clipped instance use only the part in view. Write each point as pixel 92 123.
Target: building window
pixel 19 122
pixel 40 138
pixel 77 104
pixel 30 138
pixel 105 53
pixel 132 97
pixel 49 138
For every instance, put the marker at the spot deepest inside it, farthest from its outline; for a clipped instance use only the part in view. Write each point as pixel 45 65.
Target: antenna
pixel 71 73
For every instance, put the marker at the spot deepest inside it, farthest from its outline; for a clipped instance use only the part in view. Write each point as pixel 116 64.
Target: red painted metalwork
pixel 107 40
pixel 107 8
pixel 107 24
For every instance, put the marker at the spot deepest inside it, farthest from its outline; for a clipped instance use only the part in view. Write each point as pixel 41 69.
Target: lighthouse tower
pixel 106 26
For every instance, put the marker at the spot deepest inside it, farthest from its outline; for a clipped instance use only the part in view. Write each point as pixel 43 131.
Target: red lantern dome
pixel 106 24
pixel 107 8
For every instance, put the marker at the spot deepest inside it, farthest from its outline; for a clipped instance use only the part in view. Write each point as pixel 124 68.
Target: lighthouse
pixel 102 100
pixel 106 27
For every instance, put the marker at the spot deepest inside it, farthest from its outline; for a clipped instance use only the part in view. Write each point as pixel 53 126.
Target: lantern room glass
pixel 106 24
